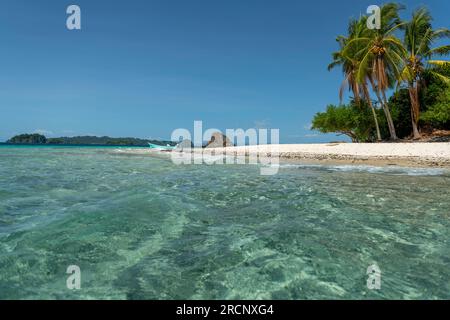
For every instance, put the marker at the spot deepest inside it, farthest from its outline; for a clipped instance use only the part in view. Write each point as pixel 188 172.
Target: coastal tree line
pixel 38 139
pixel 403 59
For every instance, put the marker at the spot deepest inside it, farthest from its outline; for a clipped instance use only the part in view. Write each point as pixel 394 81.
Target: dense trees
pixel 28 139
pixel 350 67
pixel 438 115
pixel 380 56
pixel 400 57
pixel 353 120
pixel 84 140
pixel 418 40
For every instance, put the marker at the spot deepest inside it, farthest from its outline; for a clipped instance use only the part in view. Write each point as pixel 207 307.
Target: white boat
pixel 161 148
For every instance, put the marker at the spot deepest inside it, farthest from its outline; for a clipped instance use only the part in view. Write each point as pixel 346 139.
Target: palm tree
pixel 419 38
pixel 350 67
pixel 381 53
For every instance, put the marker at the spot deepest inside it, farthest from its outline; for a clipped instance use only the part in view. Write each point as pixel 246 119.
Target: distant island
pixel 38 139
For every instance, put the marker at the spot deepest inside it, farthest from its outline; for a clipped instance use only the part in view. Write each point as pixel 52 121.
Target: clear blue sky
pixel 144 68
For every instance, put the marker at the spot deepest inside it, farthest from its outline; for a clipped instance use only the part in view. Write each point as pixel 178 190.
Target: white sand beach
pixel 432 153
pixel 405 154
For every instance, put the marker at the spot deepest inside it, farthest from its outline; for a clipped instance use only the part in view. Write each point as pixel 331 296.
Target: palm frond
pixel 441 33
pixel 439 63
pixel 440 51
pixel 397 26
pixel 361 40
pixel 363 67
pixel 440 76
pixel 395 62
pixel 425 41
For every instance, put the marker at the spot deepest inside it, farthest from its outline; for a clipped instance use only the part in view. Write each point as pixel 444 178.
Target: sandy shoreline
pixel 381 154
pixel 405 154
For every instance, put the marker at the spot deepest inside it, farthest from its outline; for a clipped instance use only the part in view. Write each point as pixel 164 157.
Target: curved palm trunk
pixel 369 101
pixel 415 109
pixel 389 118
pixel 386 110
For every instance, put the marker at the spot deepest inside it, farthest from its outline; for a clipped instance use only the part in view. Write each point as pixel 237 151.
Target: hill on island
pixel 38 139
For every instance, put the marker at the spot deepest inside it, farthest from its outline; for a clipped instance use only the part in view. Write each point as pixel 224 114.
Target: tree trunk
pixel 387 113
pixel 389 118
pixel 369 101
pixel 351 135
pixel 376 122
pixel 415 109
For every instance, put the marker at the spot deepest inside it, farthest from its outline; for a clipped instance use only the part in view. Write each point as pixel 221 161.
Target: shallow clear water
pixel 140 227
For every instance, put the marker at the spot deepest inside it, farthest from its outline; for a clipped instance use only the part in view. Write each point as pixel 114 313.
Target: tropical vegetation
pixel 84 140
pixel 401 58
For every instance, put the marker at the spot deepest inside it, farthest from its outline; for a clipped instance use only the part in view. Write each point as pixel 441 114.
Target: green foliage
pixel 374 62
pixel 435 107
pixel 108 141
pixel 84 140
pixel 28 139
pixel 352 120
pixel 432 92
pixel 400 106
pixel 436 102
pixel 438 115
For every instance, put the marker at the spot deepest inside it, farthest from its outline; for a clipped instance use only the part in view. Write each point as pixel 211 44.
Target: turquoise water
pixel 140 227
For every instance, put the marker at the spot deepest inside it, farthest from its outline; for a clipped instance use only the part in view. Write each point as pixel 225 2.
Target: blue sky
pixel 144 68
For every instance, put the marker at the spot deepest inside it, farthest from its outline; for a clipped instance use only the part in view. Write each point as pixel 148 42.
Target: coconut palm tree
pixel 419 38
pixel 382 54
pixel 350 67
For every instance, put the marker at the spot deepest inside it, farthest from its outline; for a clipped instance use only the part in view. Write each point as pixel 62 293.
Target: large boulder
pixel 219 140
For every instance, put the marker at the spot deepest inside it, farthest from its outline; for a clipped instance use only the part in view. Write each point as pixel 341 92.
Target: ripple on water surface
pixel 140 227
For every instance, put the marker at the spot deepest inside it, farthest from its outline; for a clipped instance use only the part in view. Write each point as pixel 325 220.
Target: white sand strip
pixel 404 154
pixel 381 153
pixel 402 150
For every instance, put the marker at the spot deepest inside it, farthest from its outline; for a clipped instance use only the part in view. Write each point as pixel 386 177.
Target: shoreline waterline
pixel 372 154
